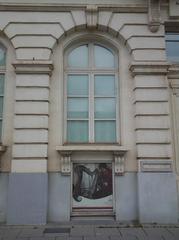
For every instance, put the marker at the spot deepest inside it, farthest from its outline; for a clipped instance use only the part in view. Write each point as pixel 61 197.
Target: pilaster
pixel 27 204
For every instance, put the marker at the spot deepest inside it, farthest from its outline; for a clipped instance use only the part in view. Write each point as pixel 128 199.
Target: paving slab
pixel 107 231
pixel 160 233
pixel 31 232
pixel 82 231
pixel 132 233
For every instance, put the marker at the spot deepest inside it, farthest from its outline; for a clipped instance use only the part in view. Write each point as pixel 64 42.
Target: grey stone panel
pixel 126 197
pixel 4 178
pixel 27 198
pixel 59 197
pixel 157 198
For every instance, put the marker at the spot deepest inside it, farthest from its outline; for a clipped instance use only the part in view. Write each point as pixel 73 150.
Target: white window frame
pixel 91 71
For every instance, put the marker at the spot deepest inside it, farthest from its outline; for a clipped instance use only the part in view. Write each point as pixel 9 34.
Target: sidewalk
pixel 89 232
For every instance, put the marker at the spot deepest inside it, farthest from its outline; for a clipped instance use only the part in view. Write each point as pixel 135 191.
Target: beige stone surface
pixel 151 94
pixel 31 136
pixel 152 122
pixel 154 150
pixel 31 107
pixel 30 121
pixel 29 151
pixel 35 80
pixel 153 136
pixel 29 166
pixel 152 108
pixel 41 94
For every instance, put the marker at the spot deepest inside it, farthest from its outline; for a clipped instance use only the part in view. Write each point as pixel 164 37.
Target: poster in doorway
pixel 92 185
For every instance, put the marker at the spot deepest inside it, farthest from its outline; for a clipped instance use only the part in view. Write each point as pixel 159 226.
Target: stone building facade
pixel 89 110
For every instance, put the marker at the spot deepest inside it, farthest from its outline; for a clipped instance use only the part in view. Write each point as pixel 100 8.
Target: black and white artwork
pixel 92 185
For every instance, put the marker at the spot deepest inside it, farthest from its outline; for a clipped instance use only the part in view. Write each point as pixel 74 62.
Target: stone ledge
pixel 149 68
pixel 33 67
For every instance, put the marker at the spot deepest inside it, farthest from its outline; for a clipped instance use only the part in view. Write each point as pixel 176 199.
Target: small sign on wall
pixel 174 8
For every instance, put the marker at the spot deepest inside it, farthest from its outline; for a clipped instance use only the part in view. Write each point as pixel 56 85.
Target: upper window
pixel 2 77
pixel 172 46
pixel 91 72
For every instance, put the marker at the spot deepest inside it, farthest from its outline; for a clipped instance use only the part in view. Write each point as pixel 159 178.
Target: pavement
pixel 79 231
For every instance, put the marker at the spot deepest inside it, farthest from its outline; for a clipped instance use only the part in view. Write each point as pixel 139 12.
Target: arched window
pixel 2 77
pixel 91 79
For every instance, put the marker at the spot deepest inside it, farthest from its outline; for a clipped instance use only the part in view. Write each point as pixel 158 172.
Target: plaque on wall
pixel 174 8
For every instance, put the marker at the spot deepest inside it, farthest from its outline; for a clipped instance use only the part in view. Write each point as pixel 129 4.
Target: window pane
pixel 78 57
pixel 104 85
pixel 105 131
pixel 103 57
pixel 172 49
pixel 77 131
pixel 105 108
pixel 77 108
pixel 77 85
pixel 2 56
pixel 172 37
pixel 1 84
pixel 1 106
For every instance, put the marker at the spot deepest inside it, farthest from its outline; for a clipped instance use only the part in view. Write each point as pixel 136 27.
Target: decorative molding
pixel 119 162
pixel 154 15
pixel 155 166
pixel 173 77
pixel 149 68
pixel 92 16
pixel 117 151
pixel 65 162
pixel 33 67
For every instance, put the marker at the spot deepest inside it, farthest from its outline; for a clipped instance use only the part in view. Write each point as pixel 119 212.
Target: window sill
pixel 91 147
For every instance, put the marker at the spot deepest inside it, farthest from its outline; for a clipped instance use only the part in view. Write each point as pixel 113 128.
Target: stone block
pixel 146 42
pixel 149 55
pixel 31 136
pixel 154 150
pixel 152 122
pixel 152 108
pixel 126 197
pixel 153 136
pixel 3 196
pixel 140 30
pixel 31 107
pixel 27 121
pixel 119 19
pixel 35 80
pixel 157 198
pixel 29 166
pixel 27 198
pixel 59 197
pixel 79 17
pixel 33 41
pixel 151 94
pixel 35 28
pixel 33 53
pixel 29 150
pixel 35 94
pixel 154 81
pixel 104 18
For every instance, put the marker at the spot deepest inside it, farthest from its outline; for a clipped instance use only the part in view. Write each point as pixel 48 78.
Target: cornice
pixel 52 7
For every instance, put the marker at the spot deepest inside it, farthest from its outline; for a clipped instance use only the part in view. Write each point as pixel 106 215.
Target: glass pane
pixel 104 85
pixel 105 108
pixel 103 57
pixel 1 106
pixel 77 131
pixel 1 84
pixel 105 131
pixel 78 57
pixel 77 85
pixel 172 49
pixel 172 37
pixel 77 108
pixel 2 56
